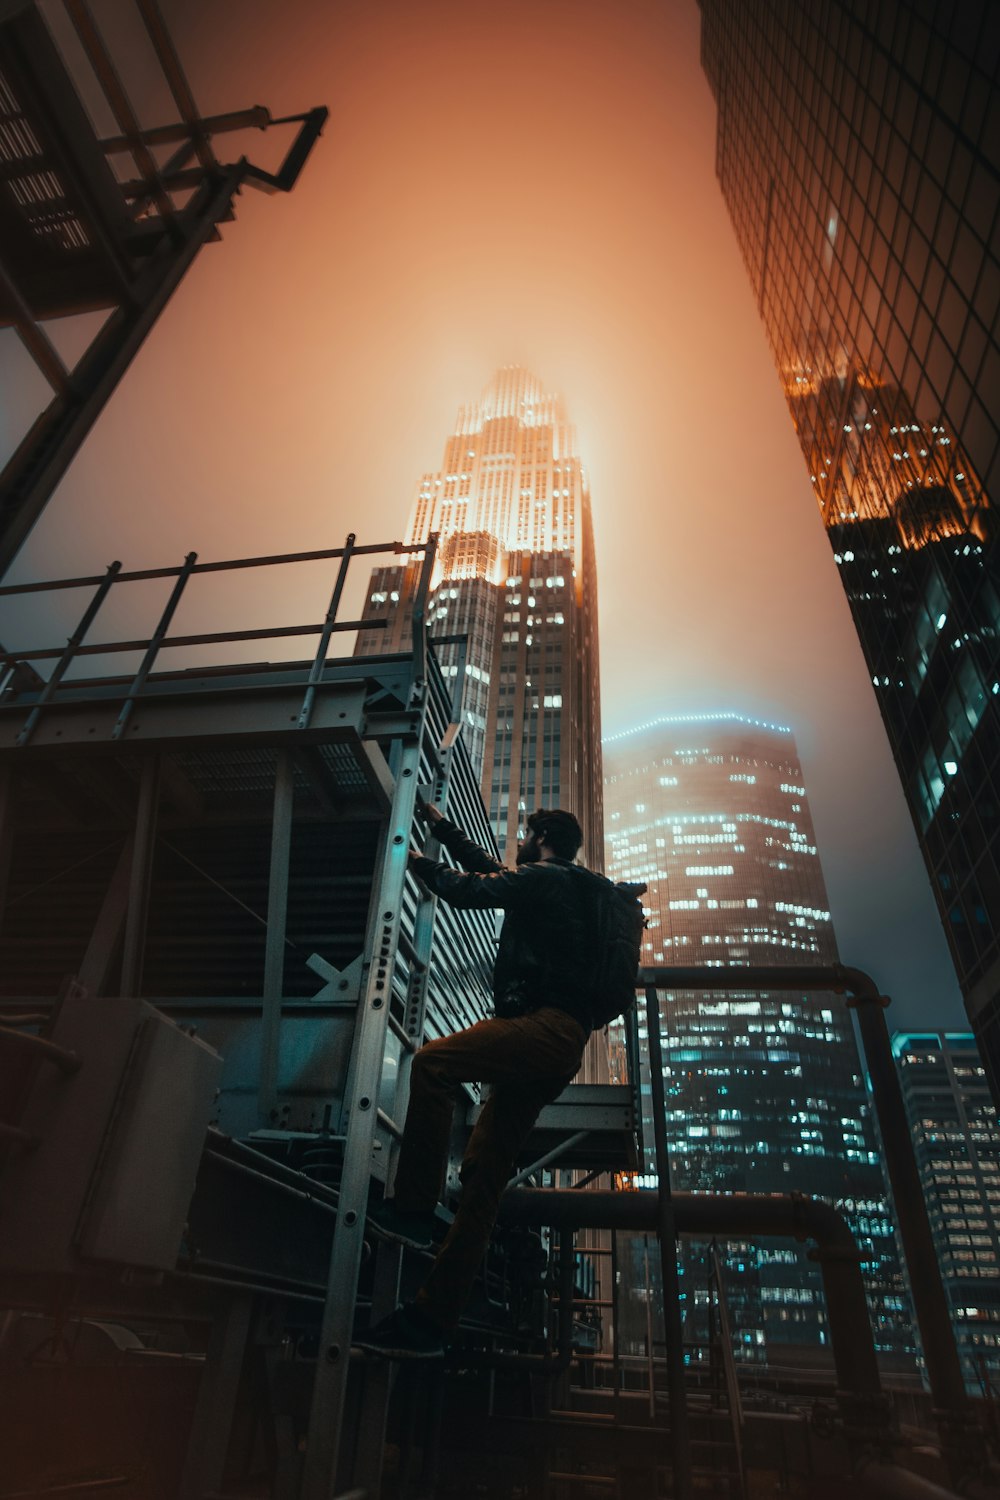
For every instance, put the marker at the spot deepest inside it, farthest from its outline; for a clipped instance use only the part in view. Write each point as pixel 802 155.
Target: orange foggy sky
pixel 532 184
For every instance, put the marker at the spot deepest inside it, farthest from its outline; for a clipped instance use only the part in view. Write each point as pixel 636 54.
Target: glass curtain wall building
pixel 516 583
pixel 858 152
pixel 764 1091
pixel 957 1140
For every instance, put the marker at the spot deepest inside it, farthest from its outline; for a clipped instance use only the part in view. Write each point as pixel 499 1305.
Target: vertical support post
pixel 650 1359
pixel 667 1234
pixel 107 930
pixel 944 1370
pixel 420 610
pixel 152 650
pixel 379 1378
pixel 213 1418
pixel 72 646
pixel 735 1400
pixel 277 921
pixel 319 660
pixel 634 1065
pixel 326 1418
pixel 140 874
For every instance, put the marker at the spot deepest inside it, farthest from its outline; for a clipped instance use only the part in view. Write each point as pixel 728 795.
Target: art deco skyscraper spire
pixel 516 580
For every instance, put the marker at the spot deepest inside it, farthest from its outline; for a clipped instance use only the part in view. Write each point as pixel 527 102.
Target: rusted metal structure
pixel 106 224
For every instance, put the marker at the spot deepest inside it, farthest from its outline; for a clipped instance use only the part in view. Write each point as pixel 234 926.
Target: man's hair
pixel 559 829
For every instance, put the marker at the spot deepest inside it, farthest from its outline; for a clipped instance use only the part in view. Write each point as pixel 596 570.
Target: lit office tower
pixel 516 582
pixel 764 1090
pixel 957 1140
pixel 857 152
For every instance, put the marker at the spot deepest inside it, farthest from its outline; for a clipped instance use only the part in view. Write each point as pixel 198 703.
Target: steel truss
pixel 77 234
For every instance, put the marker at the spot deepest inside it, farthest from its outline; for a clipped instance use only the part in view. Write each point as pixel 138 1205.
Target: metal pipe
pixel 243 1169
pixel 66 1061
pixel 744 1214
pixel 275 1169
pixel 213 638
pixel 666 1232
pixel 960 1432
pixel 254 118
pixel 269 560
pixel 390 1125
pixel 402 1035
pixel 549 1157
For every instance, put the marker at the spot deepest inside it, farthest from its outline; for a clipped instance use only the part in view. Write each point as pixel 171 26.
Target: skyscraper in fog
pixel 858 152
pixel 764 1090
pixel 516 582
pixel 957 1141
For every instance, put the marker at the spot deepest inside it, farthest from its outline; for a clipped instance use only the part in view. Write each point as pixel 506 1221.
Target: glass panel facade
pixel 858 152
pixel 957 1140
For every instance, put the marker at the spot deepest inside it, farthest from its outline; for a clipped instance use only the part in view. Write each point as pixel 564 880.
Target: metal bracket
pixel 343 986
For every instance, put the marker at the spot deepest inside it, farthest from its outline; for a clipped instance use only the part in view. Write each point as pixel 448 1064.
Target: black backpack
pixel 616 922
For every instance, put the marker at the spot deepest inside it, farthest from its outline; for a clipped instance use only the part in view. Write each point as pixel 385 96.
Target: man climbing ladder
pixel 543 996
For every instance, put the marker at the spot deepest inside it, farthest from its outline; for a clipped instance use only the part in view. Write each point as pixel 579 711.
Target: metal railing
pixel 961 1436
pixel 77 646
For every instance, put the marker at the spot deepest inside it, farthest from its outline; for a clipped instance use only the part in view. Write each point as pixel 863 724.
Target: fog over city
pixel 531 187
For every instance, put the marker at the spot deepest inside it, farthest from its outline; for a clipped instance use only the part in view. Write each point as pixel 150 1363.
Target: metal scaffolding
pixel 78 232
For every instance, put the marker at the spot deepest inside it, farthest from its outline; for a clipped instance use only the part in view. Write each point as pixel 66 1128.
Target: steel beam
pixel 208 1443
pixel 746 1214
pixel 140 874
pixel 680 1443
pixel 274 952
pixel 47 451
pixel 358 1124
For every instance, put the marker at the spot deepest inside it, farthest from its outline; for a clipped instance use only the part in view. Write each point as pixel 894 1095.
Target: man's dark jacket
pixel 544 955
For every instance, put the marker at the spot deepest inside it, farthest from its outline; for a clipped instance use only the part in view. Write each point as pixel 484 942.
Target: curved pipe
pixel 961 1437
pixel 750 1214
pixel 41 1047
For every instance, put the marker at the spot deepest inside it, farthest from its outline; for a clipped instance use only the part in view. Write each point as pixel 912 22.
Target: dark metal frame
pixel 33 713
pixel 140 237
pixel 961 1435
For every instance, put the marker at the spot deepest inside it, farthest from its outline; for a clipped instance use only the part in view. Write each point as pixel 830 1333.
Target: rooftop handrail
pixel 961 1436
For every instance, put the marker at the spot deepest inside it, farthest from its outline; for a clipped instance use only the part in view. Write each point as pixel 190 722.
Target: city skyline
pixel 763 1088
pixel 302 367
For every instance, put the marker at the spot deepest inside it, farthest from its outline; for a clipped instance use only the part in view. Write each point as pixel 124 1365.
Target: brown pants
pixel 528 1062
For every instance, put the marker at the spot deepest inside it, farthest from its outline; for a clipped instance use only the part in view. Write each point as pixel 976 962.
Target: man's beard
pixel 529 851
